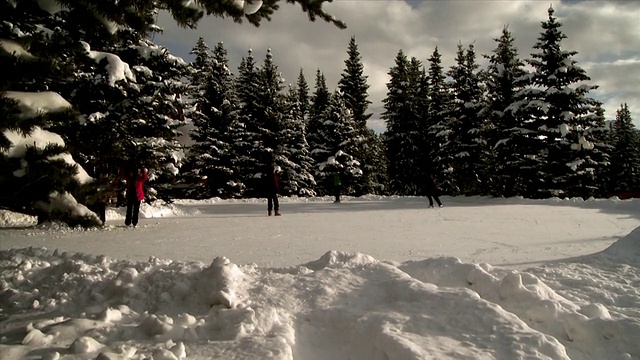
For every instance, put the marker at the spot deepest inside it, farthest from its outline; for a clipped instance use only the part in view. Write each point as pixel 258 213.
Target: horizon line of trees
pixel 499 131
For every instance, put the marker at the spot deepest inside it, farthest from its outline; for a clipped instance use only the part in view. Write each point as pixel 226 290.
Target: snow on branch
pixel 117 69
pixel 32 104
pixel 52 6
pixel 15 49
pixel 40 139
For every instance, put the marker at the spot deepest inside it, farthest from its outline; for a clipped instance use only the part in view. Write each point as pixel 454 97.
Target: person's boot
pixel 269 212
pixel 277 213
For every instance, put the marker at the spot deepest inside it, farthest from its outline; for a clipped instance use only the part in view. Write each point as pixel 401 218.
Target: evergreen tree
pixel 200 68
pixel 212 155
pixel 421 136
pixel 303 96
pixel 339 130
pixel 297 164
pixel 625 158
pixel 39 176
pixel 403 137
pixel 248 165
pixel 437 123
pixel 467 143
pixel 260 92
pixel 572 151
pixel 353 85
pixel 190 181
pixel 318 145
pixel 504 79
pixel 321 96
pixel 378 154
pixel 132 108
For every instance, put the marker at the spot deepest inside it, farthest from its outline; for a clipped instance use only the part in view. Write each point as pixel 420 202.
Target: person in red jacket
pixel 272 190
pixel 134 177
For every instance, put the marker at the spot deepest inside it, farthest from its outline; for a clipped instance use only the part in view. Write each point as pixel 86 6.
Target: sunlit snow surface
pixel 371 278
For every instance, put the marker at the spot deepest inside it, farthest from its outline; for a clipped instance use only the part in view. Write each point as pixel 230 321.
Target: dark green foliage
pixel 467 145
pixel 339 131
pixel 403 138
pixel 215 120
pixel 572 153
pixel 315 137
pixel 293 153
pixel 625 158
pixel 354 88
pixel 35 176
pixel 512 167
pixel 303 96
pixel 262 108
pixel 437 129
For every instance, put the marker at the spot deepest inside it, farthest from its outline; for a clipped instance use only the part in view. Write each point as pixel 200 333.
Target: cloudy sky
pixel 606 35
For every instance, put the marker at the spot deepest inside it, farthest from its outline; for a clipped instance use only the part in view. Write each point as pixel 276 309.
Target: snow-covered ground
pixel 371 278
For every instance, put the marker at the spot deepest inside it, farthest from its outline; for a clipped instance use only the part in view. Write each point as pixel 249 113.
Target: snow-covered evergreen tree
pixel 39 176
pixel 467 142
pixel 248 88
pixel 354 87
pixel 303 96
pixel 437 123
pixel 260 93
pixel 131 100
pixel 200 68
pixel 318 145
pixel 294 155
pixel 572 151
pixel 404 134
pixel 340 133
pixel 212 155
pixel 625 159
pixel 505 78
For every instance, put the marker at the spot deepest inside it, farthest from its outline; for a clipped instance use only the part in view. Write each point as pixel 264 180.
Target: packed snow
pixel 370 278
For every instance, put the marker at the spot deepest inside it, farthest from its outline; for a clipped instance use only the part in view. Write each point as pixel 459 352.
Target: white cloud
pixel 602 32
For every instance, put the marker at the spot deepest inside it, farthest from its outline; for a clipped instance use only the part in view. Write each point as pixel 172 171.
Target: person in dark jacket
pixel 337 187
pixel 432 189
pixel 134 177
pixel 272 190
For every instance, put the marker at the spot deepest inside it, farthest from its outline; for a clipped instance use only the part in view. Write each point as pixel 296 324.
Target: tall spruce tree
pixel 403 136
pixel 625 158
pixel 38 59
pixel 303 96
pixel 200 68
pixel 354 87
pixel 339 130
pixel 132 107
pixel 294 155
pixel 573 154
pixel 467 143
pixel 437 122
pixel 318 144
pixel 212 156
pixel 504 79
pixel 260 92
pixel 249 166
